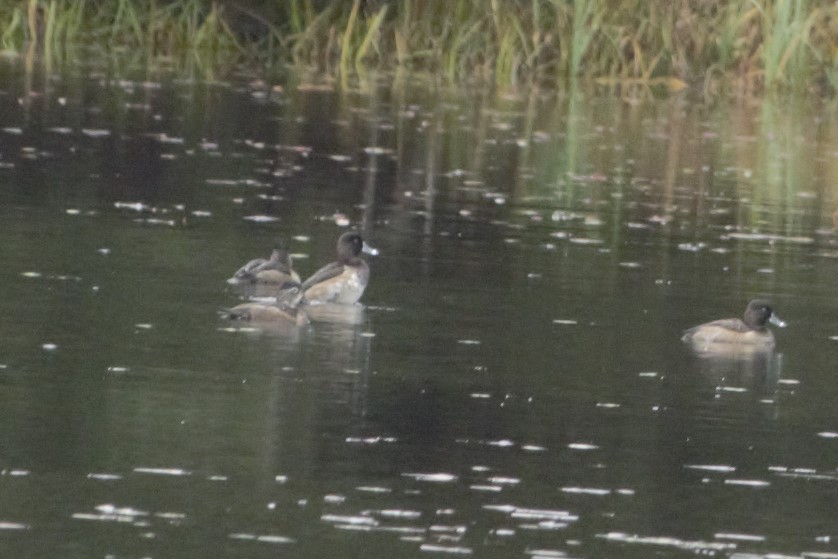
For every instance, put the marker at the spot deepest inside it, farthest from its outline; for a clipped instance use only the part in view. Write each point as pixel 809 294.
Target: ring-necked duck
pixel 733 334
pixel 275 270
pixel 344 280
pixel 286 309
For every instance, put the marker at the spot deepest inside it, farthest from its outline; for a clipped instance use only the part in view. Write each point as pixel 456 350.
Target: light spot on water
pixel 6 525
pixel 738 537
pixel 434 548
pixel 479 395
pixel 504 532
pixel 564 321
pixel 490 488
pixel 583 446
pixel 49 347
pixel 738 389
pixel 15 473
pixel 721 468
pixel 790 381
pixel 31 274
pixel 546 553
pixel 263 538
pixel 281 479
pixel 500 480
pixel 346 519
pixel 398 513
pixel 501 443
pixel 692 545
pixel 828 435
pixel 533 448
pixel 469 342
pixel 371 440
pixel 607 405
pixel 163 471
pixel 586 491
pixel 748 482
pixel 372 489
pixel 433 478
pixel 104 477
pixel 143 326
pixel 116 369
pixel 260 218
pixel 334 499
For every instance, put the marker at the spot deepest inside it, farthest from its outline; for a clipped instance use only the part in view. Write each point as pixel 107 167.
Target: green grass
pixel 753 45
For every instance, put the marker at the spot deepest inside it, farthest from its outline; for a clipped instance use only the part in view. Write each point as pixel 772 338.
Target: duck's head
pixel 280 254
pixel 351 245
pixel 759 313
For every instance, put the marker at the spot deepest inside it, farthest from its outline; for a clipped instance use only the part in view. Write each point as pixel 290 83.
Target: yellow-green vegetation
pixel 749 45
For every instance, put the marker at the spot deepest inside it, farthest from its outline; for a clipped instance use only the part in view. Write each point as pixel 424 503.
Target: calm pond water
pixel 514 385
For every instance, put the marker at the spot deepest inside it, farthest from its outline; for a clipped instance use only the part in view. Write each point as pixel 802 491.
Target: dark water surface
pixel 514 385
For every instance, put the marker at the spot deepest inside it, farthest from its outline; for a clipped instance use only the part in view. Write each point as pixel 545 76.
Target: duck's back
pixel 337 283
pixel 728 331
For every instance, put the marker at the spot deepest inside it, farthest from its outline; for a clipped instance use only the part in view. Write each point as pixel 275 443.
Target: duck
pixel 275 270
pixel 344 280
pixel 286 309
pixel 749 333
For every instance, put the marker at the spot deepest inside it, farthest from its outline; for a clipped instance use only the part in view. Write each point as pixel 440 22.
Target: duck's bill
pixel 370 250
pixel 777 321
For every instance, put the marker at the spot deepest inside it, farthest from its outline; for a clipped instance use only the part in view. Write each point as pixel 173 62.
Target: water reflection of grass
pixel 624 43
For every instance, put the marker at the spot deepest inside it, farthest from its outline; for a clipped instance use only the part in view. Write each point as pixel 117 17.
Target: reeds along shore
pixel 752 45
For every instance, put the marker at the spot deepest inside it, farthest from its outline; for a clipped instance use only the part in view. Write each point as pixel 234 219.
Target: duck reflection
pixel 756 376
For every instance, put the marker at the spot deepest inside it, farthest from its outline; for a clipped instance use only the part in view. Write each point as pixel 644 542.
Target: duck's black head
pixel 351 245
pixel 759 313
